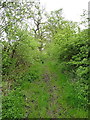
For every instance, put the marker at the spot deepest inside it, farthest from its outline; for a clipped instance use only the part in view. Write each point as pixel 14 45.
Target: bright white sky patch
pixel 72 9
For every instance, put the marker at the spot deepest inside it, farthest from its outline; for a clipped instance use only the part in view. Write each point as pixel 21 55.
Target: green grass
pixel 45 97
pixel 36 96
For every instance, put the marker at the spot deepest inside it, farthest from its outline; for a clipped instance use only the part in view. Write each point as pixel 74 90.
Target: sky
pixel 72 9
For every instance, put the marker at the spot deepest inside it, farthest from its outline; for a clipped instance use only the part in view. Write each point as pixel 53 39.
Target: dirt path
pixel 43 97
pixel 54 107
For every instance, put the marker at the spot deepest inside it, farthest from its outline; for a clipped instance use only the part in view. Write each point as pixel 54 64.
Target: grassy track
pixel 43 97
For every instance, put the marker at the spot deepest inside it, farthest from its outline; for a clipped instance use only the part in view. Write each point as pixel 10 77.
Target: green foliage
pixel 21 51
pixel 41 58
pixel 33 73
pixel 13 105
pixel 72 54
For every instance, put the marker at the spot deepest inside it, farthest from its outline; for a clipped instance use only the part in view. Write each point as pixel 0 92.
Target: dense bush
pixel 72 56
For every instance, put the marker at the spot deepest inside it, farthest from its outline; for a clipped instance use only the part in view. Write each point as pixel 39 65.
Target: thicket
pixel 31 37
pixel 72 59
